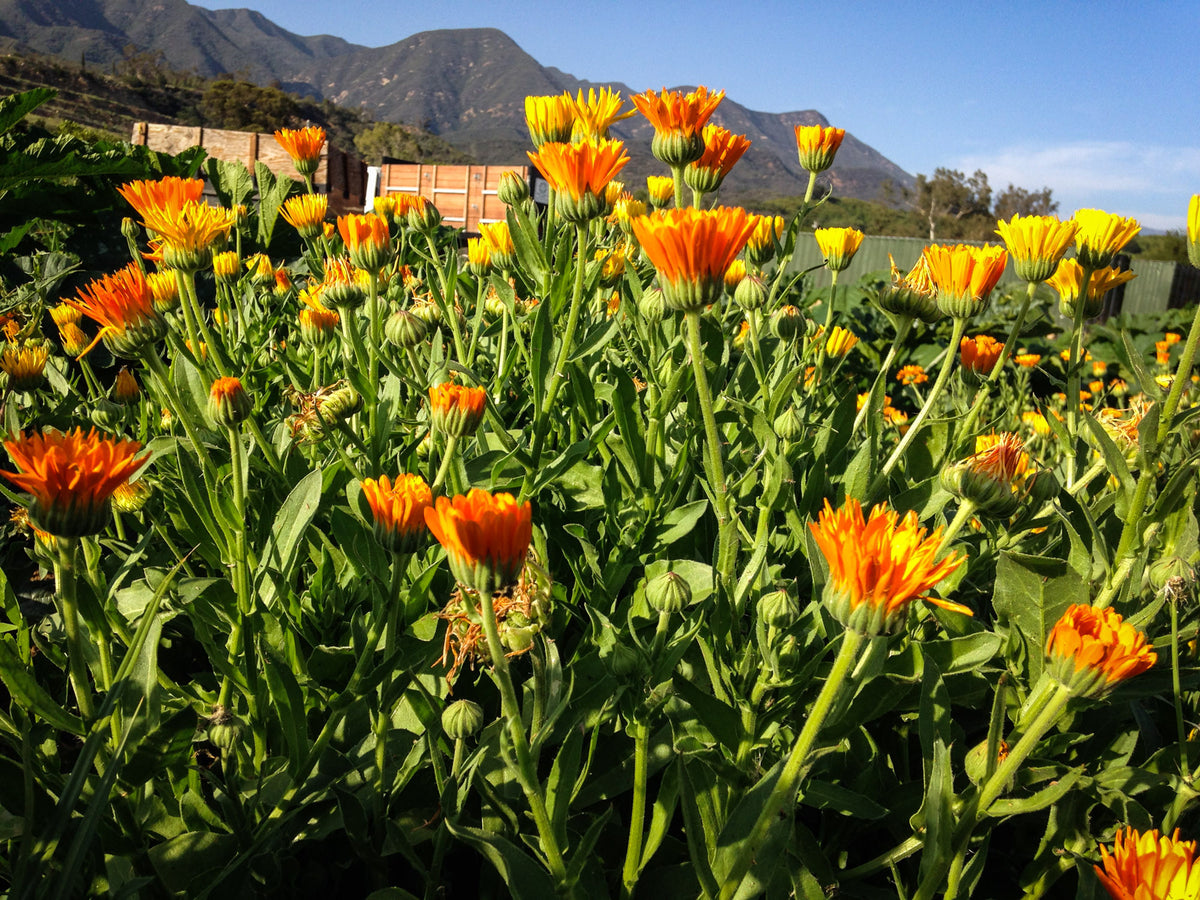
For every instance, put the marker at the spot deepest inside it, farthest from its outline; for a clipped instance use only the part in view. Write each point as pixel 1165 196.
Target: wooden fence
pixel 464 195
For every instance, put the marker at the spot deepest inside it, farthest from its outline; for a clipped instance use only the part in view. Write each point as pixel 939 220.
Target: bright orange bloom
pixel 838 246
pixel 1162 353
pixel 123 305
pixel 1036 244
pixel 228 402
pixel 486 537
pixel 303 146
pixel 367 240
pixel 980 353
pixel 456 409
pixel 398 510
pixel 1149 867
pixel 964 276
pixel 1027 360
pixel 306 213
pixel 550 120
pixel 166 195
pixel 1172 337
pixel 818 145
pixel 912 375
pixel 678 121
pixel 579 174
pixel 595 113
pixel 71 477
pixel 878 566
pixel 722 149
pixel 692 249
pixel 1090 650
pixel 1101 236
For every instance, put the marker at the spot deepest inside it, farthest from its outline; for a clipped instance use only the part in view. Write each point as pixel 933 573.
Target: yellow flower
pixel 596 113
pixel 764 239
pixel 164 289
pixel 838 246
pixel 1091 650
pixel 1101 236
pixel 124 307
pixel 399 511
pixel 692 249
pixel 1036 244
pixel 304 146
pixel 25 367
pixel 579 175
pixel 661 189
pixel 964 276
pixel 1193 231
pixel 980 353
pixel 479 256
pixel 188 234
pixel 306 213
pixel 74 341
pixel 840 342
pixel 734 275
pixel 722 149
pixel 878 566
pixel 1068 280
pixel 1149 867
pixel 486 537
pixel 499 243
pixel 367 240
pixel 817 145
pixel 226 266
pixel 678 121
pixel 64 313
pixel 550 119
pixel 625 210
pixel 456 409
pixel 71 477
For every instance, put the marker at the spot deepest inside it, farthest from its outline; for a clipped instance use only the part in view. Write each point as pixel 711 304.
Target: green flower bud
pixel 462 719
pixel 668 593
pixel 512 190
pixel 787 322
pixel 653 305
pixel 751 293
pixel 779 609
pixel 404 329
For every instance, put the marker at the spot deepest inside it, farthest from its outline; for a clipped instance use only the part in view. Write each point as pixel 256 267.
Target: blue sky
pixel 1099 101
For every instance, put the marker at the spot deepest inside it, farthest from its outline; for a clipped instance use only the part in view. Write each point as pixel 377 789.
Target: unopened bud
pixel 668 593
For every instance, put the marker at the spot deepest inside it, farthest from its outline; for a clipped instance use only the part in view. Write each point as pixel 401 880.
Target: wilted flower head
pixel 910 295
pixel 993 477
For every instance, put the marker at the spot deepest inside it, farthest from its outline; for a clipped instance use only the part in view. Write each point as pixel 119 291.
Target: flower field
pixel 608 555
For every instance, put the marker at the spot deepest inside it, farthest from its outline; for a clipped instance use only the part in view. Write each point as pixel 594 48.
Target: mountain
pixel 466 85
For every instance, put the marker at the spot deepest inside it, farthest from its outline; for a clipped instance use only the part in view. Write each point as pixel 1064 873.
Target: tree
pixel 1018 201
pixel 958 205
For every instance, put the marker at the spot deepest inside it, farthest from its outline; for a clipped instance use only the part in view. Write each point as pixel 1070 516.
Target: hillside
pixel 465 85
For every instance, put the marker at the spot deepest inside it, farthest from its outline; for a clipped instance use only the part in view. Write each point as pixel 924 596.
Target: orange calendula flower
pixel 318 324
pixel 71 477
pixel 166 195
pixel 1172 337
pixel 1068 282
pixel 486 537
pixel 456 409
pixel 1149 867
pixel 964 276
pixel 304 146
pixel 912 295
pixel 367 240
pixel 551 120
pixel 661 189
pixel 306 213
pixel 979 354
pixel 579 174
pixel 678 121
pixel 1101 236
pixel 398 510
pixel 1091 650
pixel 1036 244
pixel 1027 360
pixel 595 113
pixel 878 566
pixel 228 402
pixel 993 477
pixel 25 367
pixel 345 286
pixel 722 149
pixel 838 246
pixel 817 145
pixel 911 375
pixel 123 305
pixel 692 249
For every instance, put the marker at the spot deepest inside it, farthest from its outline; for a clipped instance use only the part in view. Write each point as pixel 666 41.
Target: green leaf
pixel 282 548
pixel 25 690
pixel 15 107
pixel 825 795
pixel 679 522
pixel 272 191
pixel 525 877
pixel 230 179
pixel 1043 798
pixel 287 701
pixel 938 812
pixel 182 861
pixel 1031 593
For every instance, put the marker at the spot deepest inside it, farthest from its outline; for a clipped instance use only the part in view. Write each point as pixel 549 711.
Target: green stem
pixel 1073 374
pixel 726 530
pixel 1176 691
pixel 784 793
pixel 374 338
pixel 812 183
pixel 965 510
pixel 448 307
pixel 960 325
pixel 677 177
pixel 526 771
pixel 155 364
pixel 64 578
pixel 444 468
pixel 637 815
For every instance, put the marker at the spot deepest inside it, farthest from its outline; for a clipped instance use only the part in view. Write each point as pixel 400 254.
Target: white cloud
pixel 1152 183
